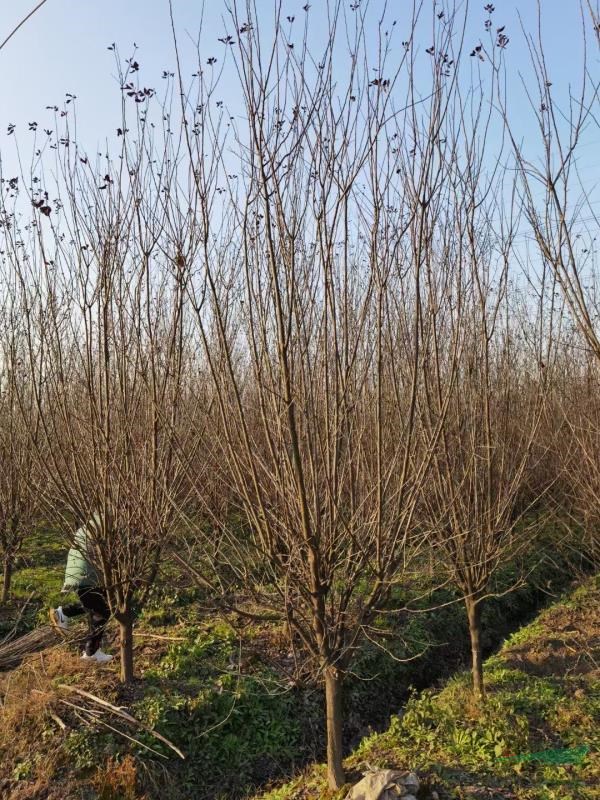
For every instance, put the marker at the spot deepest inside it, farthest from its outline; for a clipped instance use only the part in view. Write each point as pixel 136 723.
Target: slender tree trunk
pixel 474 617
pixel 125 620
pixel 333 700
pixel 7 577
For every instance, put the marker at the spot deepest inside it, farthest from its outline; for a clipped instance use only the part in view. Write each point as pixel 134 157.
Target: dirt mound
pixel 567 643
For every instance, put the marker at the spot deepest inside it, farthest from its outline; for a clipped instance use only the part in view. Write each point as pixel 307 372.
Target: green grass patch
pixel 220 698
pixel 236 730
pixel 518 743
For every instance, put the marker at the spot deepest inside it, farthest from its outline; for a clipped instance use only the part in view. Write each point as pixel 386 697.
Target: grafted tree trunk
pixel 333 701
pixel 7 577
pixel 125 620
pixel 474 617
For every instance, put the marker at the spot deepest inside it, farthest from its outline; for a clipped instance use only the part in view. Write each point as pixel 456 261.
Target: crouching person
pixel 82 577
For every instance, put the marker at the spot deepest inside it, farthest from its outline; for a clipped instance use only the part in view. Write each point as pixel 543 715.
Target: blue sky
pixel 63 48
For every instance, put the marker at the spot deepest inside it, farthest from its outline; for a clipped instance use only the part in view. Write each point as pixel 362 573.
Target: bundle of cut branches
pixel 15 628
pixel 14 650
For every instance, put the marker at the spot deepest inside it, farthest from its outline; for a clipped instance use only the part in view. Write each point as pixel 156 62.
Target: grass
pixel 223 695
pixel 38 577
pixel 543 695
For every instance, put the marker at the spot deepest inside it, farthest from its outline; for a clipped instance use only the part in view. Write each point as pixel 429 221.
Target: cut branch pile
pixel 93 711
pixel 14 651
pixel 13 631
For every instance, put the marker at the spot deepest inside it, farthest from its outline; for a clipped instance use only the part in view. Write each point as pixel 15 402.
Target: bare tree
pixel 475 361
pixel 19 427
pixel 577 449
pixel 102 293
pixel 309 309
pixel 565 245
pixel 560 210
pixel 476 504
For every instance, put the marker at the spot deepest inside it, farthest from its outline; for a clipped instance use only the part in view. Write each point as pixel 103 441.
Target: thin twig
pixel 23 21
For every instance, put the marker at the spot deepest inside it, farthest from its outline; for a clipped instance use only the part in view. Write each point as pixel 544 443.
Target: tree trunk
pixel 125 620
pixel 7 576
pixel 333 700
pixel 474 616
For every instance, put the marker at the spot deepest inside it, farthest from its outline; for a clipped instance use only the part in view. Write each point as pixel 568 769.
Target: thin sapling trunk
pixel 333 702
pixel 474 617
pixel 125 620
pixel 7 578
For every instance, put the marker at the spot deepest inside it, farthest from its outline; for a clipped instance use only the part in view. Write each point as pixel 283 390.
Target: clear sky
pixel 63 48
